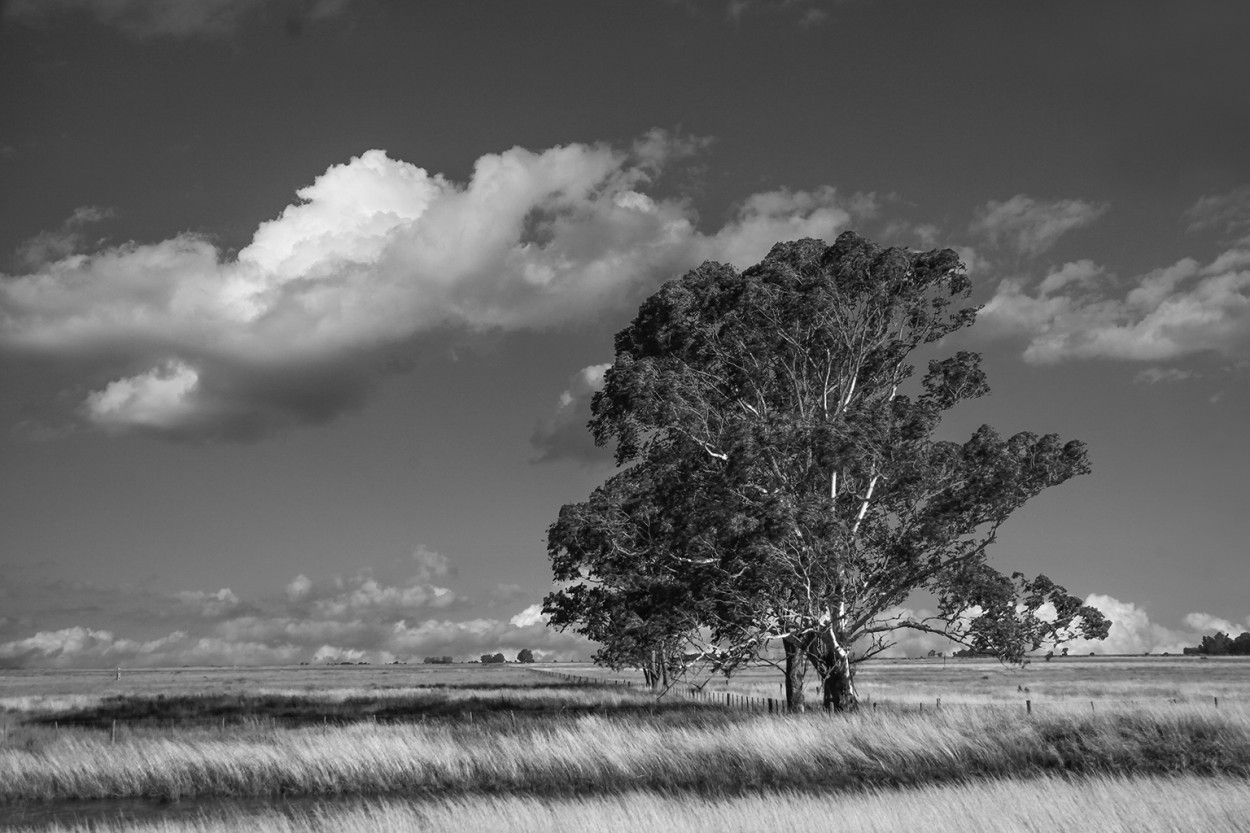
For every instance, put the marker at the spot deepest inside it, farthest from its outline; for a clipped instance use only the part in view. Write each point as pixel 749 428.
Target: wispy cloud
pixel 1029 226
pixel 1158 375
pixel 375 254
pixel 144 19
pixel 57 244
pixel 1227 213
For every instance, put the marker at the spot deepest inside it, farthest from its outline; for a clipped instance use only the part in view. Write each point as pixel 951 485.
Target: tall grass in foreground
pixel 590 755
pixel 1106 805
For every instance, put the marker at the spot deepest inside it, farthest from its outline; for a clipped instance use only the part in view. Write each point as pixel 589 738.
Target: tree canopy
pixel 784 484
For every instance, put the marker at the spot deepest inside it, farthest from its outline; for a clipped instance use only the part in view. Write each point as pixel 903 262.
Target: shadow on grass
pixel 292 711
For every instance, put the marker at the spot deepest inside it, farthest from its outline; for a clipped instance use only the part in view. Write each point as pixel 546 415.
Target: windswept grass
pixel 292 708
pixel 1103 804
pixel 596 755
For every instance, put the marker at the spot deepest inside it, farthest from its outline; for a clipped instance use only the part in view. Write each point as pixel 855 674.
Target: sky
pixel 302 303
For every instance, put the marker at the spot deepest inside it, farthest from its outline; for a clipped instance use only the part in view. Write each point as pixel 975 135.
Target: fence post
pixel 1028 706
pixel 113 732
pixel 1217 702
pixel 939 704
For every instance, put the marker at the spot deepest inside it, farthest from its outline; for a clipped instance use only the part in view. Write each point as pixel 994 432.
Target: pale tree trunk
pixel 796 669
pixel 837 675
pixel 652 670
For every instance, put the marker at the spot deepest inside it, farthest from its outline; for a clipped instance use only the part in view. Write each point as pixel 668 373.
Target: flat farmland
pixel 1142 680
pixel 560 747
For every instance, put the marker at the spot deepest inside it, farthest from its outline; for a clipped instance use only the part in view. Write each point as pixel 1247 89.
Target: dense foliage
pixel 1221 644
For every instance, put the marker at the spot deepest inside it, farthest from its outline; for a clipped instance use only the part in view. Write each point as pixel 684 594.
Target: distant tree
pixel 488 659
pixel 792 491
pixel 1215 646
pixel 525 655
pixel 438 660
pixel 1241 645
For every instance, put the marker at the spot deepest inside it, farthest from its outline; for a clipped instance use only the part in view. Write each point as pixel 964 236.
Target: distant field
pixel 1071 680
pixel 399 747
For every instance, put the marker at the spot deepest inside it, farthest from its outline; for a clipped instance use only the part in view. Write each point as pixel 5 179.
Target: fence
pixel 777 705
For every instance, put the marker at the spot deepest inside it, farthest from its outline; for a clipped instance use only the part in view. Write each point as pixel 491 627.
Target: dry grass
pixel 516 748
pixel 1107 805
pixel 557 756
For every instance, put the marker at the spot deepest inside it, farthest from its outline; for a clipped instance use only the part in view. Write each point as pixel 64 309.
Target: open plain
pixel 1143 743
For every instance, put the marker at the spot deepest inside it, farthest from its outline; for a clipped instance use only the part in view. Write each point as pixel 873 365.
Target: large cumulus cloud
pixel 178 338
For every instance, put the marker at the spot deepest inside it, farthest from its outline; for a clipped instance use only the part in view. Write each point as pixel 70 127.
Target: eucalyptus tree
pixel 622 585
pixel 786 466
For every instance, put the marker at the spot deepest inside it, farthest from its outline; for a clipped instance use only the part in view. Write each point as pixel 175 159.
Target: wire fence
pixel 777 705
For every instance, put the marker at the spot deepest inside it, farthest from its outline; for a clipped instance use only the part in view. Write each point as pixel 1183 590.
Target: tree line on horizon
pixel 1221 644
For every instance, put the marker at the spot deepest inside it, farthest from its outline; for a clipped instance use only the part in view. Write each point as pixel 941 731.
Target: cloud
pixel 564 436
pixel 1181 310
pixel 1156 375
pixel 772 216
pixel 211 605
pixel 177 339
pixel 343 618
pixel 80 646
pixel 144 19
pixel 1029 226
pixel 430 564
pixel 50 246
pixel 1205 623
pixel 1131 632
pixel 363 595
pixel 161 398
pixel 808 13
pixel 503 593
pixel 1228 214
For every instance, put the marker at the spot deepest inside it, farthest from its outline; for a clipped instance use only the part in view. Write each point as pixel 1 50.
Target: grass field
pixel 482 747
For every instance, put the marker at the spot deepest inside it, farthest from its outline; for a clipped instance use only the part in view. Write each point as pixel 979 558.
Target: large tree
pixel 786 482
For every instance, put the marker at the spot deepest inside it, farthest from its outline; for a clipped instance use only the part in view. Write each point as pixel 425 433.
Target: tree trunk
pixel 796 669
pixel 838 685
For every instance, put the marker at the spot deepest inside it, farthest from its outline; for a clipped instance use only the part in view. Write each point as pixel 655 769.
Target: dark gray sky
pixel 301 303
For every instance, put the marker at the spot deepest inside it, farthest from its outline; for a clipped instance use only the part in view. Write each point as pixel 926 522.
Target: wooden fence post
pixel 1028 706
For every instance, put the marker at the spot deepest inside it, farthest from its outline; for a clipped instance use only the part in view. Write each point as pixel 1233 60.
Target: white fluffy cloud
pixel 1170 313
pixel 376 252
pixel 1131 632
pixel 1208 624
pixel 1031 226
